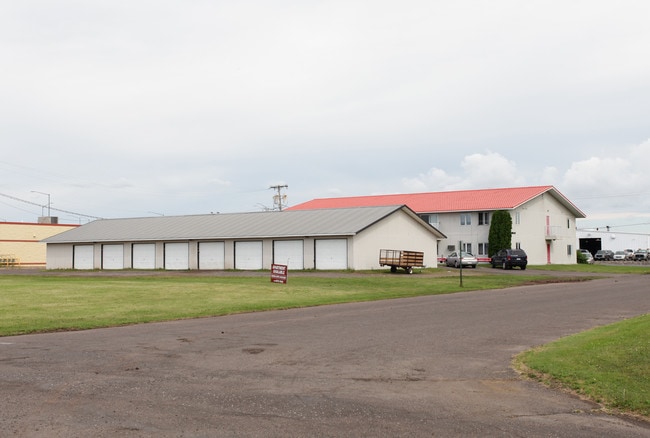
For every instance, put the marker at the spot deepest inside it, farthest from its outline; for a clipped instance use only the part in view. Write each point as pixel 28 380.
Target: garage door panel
pixel 83 257
pixel 212 255
pixel 331 254
pixel 177 256
pixel 290 253
pixel 144 256
pixel 248 255
pixel 113 257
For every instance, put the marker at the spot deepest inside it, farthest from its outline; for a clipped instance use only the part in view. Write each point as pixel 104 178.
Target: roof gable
pixel 445 202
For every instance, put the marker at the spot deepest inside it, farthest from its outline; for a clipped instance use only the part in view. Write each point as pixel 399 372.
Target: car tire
pixel 523 268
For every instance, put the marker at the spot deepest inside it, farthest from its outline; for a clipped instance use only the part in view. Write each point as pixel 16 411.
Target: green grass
pixel 610 364
pixel 43 303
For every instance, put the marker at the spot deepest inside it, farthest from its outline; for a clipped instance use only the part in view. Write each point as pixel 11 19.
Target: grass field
pixel 610 365
pixel 38 303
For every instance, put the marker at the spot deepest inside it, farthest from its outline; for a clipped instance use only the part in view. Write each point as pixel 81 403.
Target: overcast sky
pixel 139 108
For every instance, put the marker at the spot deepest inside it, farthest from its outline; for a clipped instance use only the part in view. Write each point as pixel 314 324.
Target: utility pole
pixel 279 199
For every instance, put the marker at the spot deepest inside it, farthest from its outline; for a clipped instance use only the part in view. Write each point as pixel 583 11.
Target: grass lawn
pixel 609 364
pixel 43 303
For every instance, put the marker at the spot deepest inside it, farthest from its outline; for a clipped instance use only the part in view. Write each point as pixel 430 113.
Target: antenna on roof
pixel 279 200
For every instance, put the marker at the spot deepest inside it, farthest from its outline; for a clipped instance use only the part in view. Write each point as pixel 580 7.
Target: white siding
pixel 397 231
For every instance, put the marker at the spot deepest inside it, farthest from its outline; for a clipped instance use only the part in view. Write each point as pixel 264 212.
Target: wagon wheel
pixel 393 269
pixel 409 270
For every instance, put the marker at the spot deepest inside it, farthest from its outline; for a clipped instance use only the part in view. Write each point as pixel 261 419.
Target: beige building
pixel 20 243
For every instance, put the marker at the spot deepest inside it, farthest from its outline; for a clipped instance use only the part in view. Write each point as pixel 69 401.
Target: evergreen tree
pixel 500 236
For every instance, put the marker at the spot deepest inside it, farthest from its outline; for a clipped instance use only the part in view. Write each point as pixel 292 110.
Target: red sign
pixel 279 273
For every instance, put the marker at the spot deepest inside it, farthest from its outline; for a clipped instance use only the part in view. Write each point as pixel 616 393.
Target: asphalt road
pixel 428 366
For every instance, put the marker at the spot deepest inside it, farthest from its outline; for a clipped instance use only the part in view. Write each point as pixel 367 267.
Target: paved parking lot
pixel 427 366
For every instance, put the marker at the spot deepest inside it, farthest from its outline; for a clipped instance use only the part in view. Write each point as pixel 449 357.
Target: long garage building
pixel 347 238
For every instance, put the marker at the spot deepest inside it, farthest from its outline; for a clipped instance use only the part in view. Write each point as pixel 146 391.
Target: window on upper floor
pixel 466 219
pixel 517 218
pixel 431 219
pixel 484 218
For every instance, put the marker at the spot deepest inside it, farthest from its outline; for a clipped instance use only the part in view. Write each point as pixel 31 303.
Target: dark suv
pixel 509 258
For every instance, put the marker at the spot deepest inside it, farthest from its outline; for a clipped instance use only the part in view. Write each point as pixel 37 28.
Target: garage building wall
pixel 394 232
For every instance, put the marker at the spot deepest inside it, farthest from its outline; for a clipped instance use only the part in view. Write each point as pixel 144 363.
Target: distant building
pixel 544 220
pixel 20 243
pixel 594 240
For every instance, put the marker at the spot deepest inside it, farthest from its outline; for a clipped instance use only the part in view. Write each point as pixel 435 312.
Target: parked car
pixel 509 258
pixel 629 254
pixel 604 255
pixel 641 254
pixel 467 258
pixel 620 255
pixel 587 254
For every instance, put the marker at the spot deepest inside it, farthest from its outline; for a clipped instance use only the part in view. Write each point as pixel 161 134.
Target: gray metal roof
pixel 284 224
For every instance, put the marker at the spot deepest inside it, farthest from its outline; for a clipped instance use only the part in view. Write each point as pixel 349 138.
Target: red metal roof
pixel 440 202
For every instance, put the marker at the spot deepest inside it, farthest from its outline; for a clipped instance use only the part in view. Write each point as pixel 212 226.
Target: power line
pixel 52 208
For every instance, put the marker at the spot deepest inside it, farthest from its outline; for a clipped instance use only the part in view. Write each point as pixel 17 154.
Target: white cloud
pixel 487 170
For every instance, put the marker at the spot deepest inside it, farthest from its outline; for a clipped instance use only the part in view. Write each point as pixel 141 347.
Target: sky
pixel 139 108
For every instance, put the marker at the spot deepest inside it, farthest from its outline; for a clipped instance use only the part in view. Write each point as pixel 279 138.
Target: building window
pixel 517 218
pixel 569 250
pixel 568 223
pixel 466 219
pixel 483 249
pixel 431 219
pixel 467 247
pixel 518 245
pixel 484 218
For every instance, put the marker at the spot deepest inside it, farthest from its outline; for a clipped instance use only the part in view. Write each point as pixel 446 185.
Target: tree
pixel 500 236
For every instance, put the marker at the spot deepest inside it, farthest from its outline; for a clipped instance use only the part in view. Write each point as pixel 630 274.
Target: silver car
pixel 467 258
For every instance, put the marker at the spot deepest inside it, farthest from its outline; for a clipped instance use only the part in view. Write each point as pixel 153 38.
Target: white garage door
pixel 289 252
pixel 83 256
pixel 248 255
pixel 212 255
pixel 113 257
pixel 177 256
pixel 144 256
pixel 332 254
